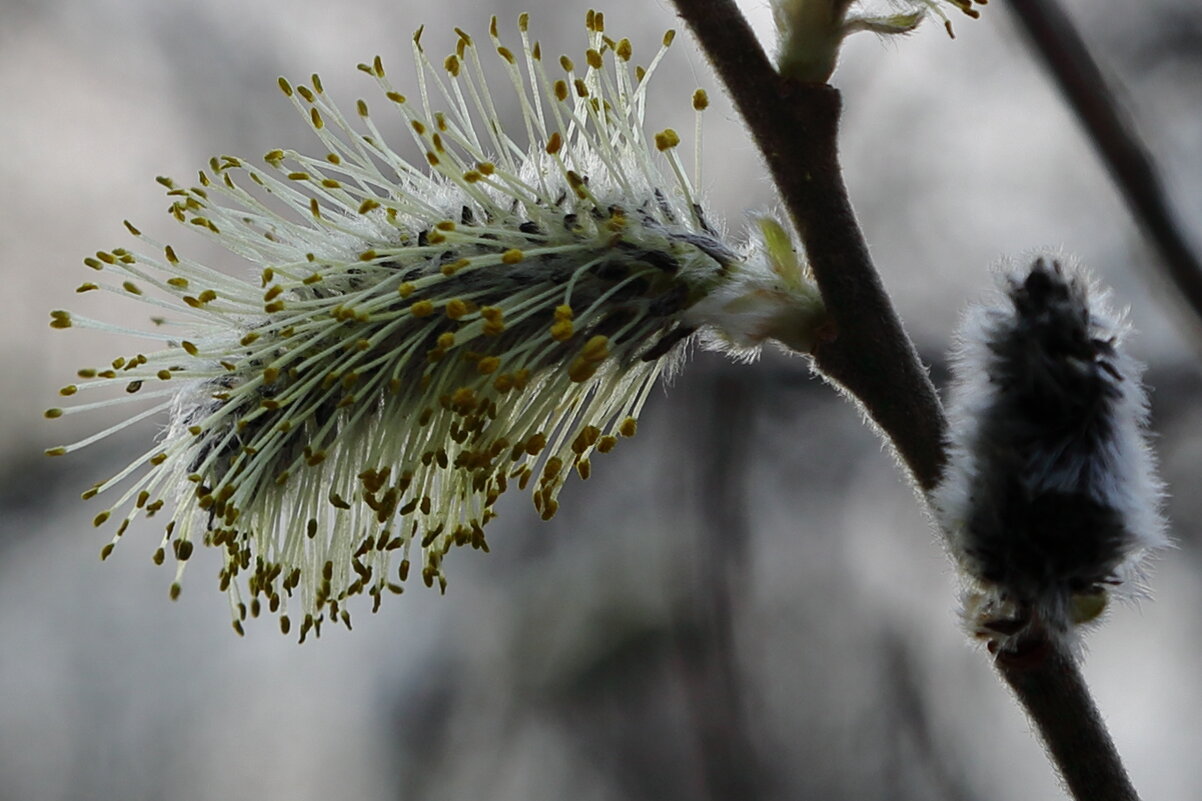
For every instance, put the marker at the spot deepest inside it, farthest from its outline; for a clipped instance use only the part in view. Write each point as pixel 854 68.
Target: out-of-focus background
pixel 744 602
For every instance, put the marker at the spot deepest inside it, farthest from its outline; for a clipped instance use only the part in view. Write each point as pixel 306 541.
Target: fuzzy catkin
pixel 1049 500
pixel 415 339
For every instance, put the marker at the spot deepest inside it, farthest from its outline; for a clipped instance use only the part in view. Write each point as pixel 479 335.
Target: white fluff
pixel 1050 500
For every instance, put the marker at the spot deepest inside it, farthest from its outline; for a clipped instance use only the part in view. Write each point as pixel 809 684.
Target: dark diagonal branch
pixel 1051 689
pixel 796 125
pixel 1053 36
pixel 869 355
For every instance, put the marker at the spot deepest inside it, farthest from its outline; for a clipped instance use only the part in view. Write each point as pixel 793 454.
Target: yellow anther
pixel 406 289
pixel 456 309
pixel 587 437
pixel 596 349
pixel 512 256
pixel 446 340
pixel 562 330
pixel 581 370
pixel 552 469
pixel 464 399
pixel 593 58
pixel 629 427
pixel 488 365
pixel 666 139
pixel 421 308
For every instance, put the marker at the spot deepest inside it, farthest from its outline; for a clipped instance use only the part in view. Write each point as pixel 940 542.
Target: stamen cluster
pixel 417 340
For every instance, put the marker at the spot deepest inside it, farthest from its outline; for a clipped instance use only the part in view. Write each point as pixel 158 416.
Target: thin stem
pixel 1049 685
pixel 796 125
pixel 1056 40
pixel 870 356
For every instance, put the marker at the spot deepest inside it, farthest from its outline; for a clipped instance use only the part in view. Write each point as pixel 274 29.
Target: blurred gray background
pixel 743 602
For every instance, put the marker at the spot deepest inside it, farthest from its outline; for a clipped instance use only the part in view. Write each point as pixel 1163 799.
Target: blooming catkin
pixel 1050 499
pixel 415 340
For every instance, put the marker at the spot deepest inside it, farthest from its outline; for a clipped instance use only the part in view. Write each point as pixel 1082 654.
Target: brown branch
pixel 1056 40
pixel 796 125
pixel 1049 685
pixel 870 356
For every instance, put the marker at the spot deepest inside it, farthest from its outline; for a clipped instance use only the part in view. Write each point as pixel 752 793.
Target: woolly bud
pixel 1049 500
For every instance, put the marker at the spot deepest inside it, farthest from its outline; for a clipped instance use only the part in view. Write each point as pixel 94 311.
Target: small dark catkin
pixel 1049 500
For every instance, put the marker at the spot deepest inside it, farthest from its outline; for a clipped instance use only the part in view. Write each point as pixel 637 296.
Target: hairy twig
pixel 1051 689
pixel 1059 45
pixel 795 125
